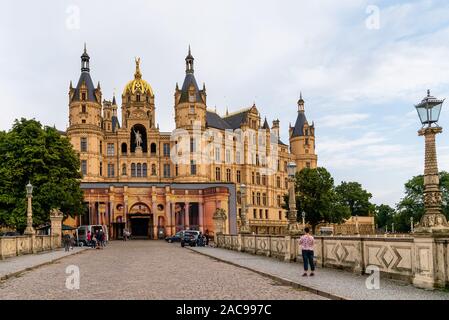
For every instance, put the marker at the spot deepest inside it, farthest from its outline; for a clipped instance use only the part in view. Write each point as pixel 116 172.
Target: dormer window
pixel 83 96
pixel 191 96
pixel 138 98
pixel 192 109
pixel 83 108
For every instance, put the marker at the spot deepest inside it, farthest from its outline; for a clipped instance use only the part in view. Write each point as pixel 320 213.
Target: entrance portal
pixel 141 221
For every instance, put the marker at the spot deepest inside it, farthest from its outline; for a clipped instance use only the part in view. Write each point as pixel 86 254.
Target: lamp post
pixel 293 226
pixel 392 227
pixel 29 230
pixel 357 231
pixel 433 220
pixel 411 225
pixel 244 228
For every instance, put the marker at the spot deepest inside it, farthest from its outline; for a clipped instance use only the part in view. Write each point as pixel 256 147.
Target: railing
pixel 420 260
pixel 19 245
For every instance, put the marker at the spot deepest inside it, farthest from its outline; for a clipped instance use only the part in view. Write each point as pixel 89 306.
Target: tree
pixel 412 205
pixel 315 195
pixel 384 215
pixel 355 197
pixel 30 152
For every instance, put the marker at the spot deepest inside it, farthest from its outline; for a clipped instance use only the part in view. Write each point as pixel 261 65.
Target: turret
pixel 302 140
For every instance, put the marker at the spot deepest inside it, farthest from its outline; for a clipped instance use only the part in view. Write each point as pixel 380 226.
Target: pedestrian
pixel 89 238
pixel 72 241
pixel 307 242
pixel 101 239
pixel 206 235
pixel 66 241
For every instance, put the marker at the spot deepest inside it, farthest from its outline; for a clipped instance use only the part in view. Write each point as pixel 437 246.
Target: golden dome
pixel 138 84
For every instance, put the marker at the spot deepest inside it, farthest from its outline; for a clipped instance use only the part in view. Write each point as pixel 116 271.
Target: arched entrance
pixel 141 221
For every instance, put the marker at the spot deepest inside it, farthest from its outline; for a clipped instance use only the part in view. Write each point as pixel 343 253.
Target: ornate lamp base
pixel 29 231
pixel 295 229
pixel 245 229
pixel 434 223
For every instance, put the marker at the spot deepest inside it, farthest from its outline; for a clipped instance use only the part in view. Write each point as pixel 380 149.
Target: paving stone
pixel 339 283
pixel 146 270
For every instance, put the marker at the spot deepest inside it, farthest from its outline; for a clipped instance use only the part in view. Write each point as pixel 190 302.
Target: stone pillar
pixel 169 218
pixel 56 217
pixel 288 248
pixel 201 215
pixel 239 243
pixel 433 220
pixel 293 226
pixel 186 215
pixel 29 229
pixel 173 217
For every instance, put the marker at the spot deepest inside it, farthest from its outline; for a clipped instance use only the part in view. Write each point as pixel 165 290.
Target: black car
pixel 9 234
pixel 175 238
pixel 190 238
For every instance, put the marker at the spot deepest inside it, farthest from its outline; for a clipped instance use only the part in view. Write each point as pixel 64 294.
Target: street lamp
pixel 29 229
pixel 433 220
pixel 411 225
pixel 293 226
pixel 244 228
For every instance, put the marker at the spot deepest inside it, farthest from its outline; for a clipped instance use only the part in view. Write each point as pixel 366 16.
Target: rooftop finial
pixel 428 92
pixel 189 62
pixel 138 74
pixel 85 60
pixel 85 47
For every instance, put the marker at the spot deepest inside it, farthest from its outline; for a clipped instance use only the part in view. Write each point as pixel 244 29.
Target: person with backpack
pixel 307 243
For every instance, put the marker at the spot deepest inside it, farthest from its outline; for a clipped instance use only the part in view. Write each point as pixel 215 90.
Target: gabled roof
pixel 190 80
pixel 115 123
pixel 235 120
pixel 213 120
pixel 85 77
pixel 299 125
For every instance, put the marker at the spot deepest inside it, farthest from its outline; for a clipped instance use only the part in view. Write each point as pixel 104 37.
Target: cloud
pixel 342 120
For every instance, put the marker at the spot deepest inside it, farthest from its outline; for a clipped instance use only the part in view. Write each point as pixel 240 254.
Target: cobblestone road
pixel 146 270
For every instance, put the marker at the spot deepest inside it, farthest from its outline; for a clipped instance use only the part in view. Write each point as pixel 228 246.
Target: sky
pixel 360 65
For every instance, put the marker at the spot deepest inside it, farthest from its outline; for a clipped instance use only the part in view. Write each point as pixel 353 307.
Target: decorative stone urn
pixel 219 221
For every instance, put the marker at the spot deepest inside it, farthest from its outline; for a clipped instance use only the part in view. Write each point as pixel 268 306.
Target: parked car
pixel 175 238
pixel 81 233
pixel 190 238
pixel 9 234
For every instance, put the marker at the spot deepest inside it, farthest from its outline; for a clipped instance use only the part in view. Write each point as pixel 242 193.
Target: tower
pixel 190 101
pixel 302 140
pixel 85 121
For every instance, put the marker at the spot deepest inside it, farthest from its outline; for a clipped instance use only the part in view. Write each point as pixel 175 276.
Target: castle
pixel 156 183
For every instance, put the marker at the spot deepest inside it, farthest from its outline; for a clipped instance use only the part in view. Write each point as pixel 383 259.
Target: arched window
pixel 278 182
pixel 217 173
pixel 133 170
pixel 153 169
pixel 254 198
pixel 258 198
pixel 264 199
pixel 144 170
pixel 139 169
pixel 153 148
pixel 124 148
pixel 258 178
pixel 123 169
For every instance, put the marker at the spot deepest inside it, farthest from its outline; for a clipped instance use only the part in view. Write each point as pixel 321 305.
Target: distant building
pixel 156 183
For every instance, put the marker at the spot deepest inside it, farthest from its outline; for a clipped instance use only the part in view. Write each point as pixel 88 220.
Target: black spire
pixel 85 60
pixel 189 62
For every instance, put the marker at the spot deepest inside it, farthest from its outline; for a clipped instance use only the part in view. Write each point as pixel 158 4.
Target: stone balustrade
pixel 20 245
pixel 423 261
